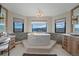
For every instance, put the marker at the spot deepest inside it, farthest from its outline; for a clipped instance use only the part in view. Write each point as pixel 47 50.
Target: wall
pixel 11 15
pixel 28 20
pixel 68 21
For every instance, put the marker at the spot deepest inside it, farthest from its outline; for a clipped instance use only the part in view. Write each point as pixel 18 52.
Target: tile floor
pixel 19 50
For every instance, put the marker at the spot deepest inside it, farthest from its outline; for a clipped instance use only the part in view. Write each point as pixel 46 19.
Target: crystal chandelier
pixel 39 13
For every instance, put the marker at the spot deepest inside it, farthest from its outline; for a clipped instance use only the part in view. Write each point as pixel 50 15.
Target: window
pixel 39 27
pixel 18 25
pixel 76 27
pixel 60 26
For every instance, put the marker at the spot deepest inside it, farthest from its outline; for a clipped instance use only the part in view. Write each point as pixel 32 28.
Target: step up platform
pixel 38 49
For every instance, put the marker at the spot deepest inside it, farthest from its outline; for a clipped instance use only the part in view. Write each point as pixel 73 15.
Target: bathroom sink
pixel 74 34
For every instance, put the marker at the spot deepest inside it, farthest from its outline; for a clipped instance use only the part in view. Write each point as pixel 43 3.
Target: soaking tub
pixel 38 39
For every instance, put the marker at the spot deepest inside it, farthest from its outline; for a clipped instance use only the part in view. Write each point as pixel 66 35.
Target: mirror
pixel 75 13
pixel 74 17
pixel 3 19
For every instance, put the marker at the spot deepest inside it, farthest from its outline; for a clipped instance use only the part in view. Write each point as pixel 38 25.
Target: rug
pixel 28 54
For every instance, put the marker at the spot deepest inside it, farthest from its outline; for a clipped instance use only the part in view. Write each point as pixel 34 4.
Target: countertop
pixel 75 36
pixel 3 38
pixel 11 36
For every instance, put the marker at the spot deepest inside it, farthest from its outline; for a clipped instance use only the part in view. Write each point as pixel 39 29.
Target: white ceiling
pixel 49 9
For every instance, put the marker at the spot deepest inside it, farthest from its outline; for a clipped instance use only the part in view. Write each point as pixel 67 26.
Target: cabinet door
pixel 12 43
pixel 70 45
pixel 76 47
pixel 65 43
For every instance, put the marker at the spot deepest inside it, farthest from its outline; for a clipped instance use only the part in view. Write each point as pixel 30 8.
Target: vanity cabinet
pixel 66 45
pixel 12 43
pixel 71 44
pixel 75 46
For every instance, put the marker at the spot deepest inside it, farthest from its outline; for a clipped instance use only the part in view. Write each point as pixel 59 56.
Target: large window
pixel 18 25
pixel 76 27
pixel 39 27
pixel 60 26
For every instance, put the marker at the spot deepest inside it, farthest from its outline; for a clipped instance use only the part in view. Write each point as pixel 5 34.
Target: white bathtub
pixel 38 39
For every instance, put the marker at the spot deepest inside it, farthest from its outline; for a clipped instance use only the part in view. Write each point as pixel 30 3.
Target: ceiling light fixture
pixel 39 13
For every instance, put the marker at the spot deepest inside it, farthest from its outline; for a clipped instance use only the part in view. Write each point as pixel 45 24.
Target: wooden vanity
pixel 71 44
pixel 12 42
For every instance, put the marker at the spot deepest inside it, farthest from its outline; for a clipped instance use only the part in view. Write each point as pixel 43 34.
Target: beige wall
pixel 68 21
pixel 50 22
pixel 28 20
pixel 11 15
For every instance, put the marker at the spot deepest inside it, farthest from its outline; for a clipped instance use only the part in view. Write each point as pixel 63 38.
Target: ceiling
pixel 49 9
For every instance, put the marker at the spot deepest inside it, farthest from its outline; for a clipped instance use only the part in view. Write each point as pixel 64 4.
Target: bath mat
pixel 29 54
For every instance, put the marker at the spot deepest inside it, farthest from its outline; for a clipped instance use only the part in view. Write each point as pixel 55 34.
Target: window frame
pixel 14 29
pixel 40 23
pixel 64 25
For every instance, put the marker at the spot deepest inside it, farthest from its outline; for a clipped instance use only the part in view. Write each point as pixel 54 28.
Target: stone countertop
pixel 3 38
pixel 66 34
pixel 75 36
pixel 11 36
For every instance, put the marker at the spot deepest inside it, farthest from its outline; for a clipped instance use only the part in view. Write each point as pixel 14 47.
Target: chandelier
pixel 39 13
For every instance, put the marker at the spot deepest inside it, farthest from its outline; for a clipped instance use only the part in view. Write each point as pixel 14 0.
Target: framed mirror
pixel 74 17
pixel 3 19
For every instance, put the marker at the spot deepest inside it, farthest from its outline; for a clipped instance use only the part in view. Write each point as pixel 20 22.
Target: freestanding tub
pixel 38 39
